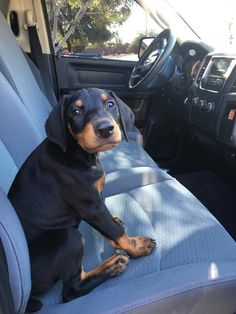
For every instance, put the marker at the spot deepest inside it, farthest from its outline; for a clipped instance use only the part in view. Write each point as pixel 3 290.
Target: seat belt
pixel 38 57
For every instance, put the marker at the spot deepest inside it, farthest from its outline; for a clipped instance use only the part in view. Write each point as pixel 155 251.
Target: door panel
pixel 100 75
pixel 75 73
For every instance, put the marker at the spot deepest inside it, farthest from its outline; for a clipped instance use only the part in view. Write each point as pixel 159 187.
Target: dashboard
pixel 208 92
pixel 212 100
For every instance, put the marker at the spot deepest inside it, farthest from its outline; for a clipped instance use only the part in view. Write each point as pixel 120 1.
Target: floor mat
pixel 216 194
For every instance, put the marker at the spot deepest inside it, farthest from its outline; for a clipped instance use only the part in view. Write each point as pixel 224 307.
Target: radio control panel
pixel 217 71
pixel 213 81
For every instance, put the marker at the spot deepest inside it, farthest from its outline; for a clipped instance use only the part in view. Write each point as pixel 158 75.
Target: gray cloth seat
pixel 193 267
pixel 186 271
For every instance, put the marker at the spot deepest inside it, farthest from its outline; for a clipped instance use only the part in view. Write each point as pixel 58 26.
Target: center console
pixel 213 101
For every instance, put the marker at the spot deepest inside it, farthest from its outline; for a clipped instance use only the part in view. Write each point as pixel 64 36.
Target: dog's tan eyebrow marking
pixel 104 97
pixel 79 103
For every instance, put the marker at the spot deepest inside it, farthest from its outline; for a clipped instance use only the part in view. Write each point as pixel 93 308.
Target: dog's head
pixel 93 117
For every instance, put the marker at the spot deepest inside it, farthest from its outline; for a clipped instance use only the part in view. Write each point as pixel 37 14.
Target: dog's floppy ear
pixel 126 115
pixel 55 125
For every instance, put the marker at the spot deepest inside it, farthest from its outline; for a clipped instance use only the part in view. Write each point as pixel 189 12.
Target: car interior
pixel 173 180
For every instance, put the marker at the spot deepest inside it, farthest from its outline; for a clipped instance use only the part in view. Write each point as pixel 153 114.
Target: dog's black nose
pixel 104 129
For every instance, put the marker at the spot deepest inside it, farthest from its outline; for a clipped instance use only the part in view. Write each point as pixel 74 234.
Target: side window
pixel 99 28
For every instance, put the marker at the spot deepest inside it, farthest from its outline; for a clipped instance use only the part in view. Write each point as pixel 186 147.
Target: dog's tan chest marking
pixel 100 184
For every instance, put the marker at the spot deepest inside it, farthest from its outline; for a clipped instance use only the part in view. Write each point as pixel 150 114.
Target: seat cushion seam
pixel 135 167
pixel 145 184
pixel 141 186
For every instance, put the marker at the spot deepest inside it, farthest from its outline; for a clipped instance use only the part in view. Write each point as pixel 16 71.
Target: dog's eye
pixel 110 104
pixel 75 112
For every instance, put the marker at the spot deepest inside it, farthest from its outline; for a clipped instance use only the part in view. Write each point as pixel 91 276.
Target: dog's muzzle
pixel 104 129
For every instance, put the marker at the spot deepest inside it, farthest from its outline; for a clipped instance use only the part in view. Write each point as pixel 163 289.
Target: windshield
pixel 213 21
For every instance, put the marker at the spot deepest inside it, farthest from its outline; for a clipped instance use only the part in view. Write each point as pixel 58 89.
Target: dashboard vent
pixel 233 87
pixel 203 68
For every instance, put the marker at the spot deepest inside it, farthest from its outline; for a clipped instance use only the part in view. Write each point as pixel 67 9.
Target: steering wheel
pixel 152 60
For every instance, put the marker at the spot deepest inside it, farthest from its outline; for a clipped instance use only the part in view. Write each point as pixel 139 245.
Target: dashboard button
pixel 195 101
pixel 219 82
pixel 210 107
pixel 201 104
pixel 186 101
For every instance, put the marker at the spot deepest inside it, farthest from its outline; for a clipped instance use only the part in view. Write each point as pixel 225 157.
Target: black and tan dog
pixel 60 184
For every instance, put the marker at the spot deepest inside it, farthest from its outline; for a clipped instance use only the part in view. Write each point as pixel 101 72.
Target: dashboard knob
pixel 201 104
pixel 210 107
pixel 186 101
pixel 195 101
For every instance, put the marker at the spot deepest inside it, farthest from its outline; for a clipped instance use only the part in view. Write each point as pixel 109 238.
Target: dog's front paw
pixel 115 265
pixel 136 246
pixel 141 246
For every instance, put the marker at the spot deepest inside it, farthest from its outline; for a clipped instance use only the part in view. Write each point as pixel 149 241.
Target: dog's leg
pixel 76 282
pixel 84 282
pixel 101 219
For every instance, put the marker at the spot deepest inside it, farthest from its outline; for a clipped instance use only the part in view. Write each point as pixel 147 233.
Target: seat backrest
pixel 16 250
pixel 17 71
pixel 23 111
pixel 17 129
pixel 14 127
pixel 18 137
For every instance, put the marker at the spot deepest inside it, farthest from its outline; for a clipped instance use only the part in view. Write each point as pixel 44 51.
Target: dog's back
pixel 46 188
